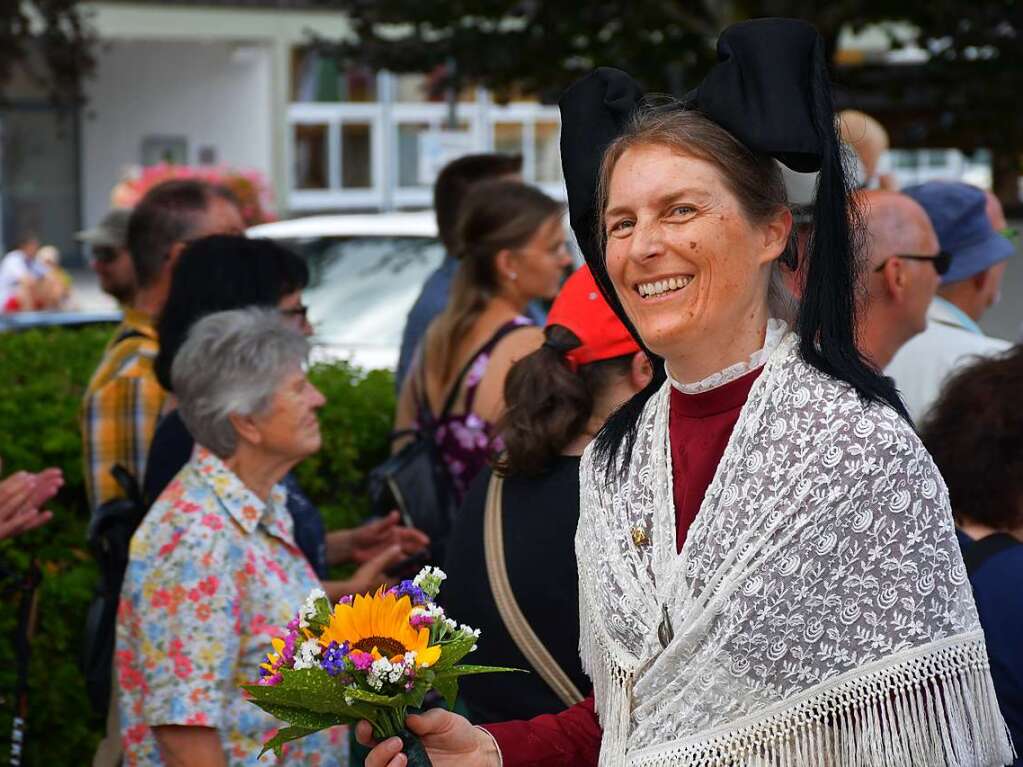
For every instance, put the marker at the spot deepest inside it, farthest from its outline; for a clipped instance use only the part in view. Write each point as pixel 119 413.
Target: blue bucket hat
pixel 959 217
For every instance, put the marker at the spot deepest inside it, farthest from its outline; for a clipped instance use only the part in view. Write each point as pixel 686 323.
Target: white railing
pixel 537 125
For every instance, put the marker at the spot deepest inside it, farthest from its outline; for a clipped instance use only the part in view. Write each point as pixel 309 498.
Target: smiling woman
pixel 686 187
pixel 768 573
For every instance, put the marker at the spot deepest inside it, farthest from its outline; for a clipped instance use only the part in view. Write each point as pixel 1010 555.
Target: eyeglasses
pixel 940 262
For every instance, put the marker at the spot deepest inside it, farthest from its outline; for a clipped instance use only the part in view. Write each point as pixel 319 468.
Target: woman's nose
pixel 317 399
pixel 646 241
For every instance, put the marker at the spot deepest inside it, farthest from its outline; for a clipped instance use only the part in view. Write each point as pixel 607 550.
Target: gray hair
pixel 232 362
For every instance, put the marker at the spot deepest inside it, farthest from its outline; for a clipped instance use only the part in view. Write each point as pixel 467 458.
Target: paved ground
pixel 1005 319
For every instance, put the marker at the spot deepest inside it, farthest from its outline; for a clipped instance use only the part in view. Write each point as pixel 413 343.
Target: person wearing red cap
pixel 558 397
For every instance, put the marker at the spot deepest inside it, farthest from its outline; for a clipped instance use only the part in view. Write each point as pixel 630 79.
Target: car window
pixel 361 288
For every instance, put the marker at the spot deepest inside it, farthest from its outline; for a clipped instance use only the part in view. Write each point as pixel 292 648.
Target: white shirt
pixel 951 341
pixel 14 268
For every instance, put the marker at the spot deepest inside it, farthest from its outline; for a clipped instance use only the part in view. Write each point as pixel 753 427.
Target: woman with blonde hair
pixel 512 250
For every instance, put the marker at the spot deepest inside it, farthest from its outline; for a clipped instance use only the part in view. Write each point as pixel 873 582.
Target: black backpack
pixel 109 535
pixel 415 480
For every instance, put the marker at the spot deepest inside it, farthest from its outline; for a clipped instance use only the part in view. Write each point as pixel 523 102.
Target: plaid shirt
pixel 121 408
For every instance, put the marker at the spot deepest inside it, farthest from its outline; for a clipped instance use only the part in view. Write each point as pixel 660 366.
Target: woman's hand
pixel 364 543
pixel 21 498
pixel 450 740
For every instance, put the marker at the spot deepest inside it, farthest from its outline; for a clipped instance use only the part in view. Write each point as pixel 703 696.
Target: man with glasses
pixel 108 245
pixel 904 271
pixel 970 226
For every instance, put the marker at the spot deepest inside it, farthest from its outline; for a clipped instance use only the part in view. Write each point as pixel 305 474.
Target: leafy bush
pixel 43 374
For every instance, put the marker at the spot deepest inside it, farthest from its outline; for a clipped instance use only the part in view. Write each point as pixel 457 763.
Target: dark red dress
pixel 699 428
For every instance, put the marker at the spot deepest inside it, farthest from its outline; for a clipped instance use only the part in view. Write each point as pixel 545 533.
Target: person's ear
pixel 505 263
pixel 776 234
pixel 980 281
pixel 641 372
pixel 175 253
pixel 895 277
pixel 245 427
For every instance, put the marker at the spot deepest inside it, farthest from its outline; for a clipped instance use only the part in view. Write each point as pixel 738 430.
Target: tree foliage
pixel 49 42
pixel 964 95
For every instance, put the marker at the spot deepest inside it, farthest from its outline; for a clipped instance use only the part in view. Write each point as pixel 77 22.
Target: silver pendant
pixel 665 633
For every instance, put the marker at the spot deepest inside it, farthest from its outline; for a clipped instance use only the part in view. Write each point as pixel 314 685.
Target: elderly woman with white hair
pixel 214 568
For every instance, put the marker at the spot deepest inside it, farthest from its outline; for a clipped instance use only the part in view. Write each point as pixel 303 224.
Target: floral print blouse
pixel 213 574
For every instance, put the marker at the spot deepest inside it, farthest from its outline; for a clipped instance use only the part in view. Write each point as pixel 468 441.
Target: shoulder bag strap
pixel 518 627
pixel 985 548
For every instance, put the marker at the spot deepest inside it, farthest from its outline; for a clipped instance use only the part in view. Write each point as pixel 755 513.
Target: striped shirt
pixel 121 408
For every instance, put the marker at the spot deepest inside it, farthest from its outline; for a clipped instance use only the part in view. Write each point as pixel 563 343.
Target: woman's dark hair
pixel 547 405
pixel 975 434
pixel 498 215
pixel 219 273
pixel 825 318
pixel 457 177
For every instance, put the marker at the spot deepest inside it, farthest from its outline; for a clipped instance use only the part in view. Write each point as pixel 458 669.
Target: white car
pixel 365 272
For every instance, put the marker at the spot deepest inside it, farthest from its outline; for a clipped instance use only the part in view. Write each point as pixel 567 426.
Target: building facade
pixel 238 84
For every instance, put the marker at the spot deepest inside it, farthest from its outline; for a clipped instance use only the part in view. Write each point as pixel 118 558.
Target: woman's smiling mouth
pixel 656 288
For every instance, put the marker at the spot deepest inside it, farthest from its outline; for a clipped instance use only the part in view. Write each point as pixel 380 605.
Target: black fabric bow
pixel 761 91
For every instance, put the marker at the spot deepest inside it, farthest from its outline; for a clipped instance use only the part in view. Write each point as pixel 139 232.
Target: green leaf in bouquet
pixel 447 687
pixel 467 669
pixel 390 701
pixel 276 743
pixel 280 702
pixel 315 690
pixel 301 717
pixel 424 683
pixel 446 682
pixel 453 651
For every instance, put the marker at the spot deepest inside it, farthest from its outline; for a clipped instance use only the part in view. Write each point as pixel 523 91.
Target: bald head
pixel 896 225
pixel 901 277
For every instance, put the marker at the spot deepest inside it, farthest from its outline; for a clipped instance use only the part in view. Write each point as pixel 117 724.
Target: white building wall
pixel 213 94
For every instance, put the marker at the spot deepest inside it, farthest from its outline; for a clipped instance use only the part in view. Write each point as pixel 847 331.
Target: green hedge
pixel 42 376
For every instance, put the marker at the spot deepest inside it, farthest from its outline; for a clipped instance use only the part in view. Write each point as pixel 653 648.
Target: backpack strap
pixel 984 548
pixel 506 329
pixel 421 402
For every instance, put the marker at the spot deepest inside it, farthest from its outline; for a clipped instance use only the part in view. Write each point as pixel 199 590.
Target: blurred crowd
pixel 201 407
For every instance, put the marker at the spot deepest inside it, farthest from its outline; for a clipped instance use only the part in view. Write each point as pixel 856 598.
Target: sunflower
pixel 379 625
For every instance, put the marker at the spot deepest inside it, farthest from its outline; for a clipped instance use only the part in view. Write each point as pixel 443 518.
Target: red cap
pixel 581 308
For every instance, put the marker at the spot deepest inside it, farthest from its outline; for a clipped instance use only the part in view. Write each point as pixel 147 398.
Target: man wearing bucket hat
pixel 109 255
pixel 966 232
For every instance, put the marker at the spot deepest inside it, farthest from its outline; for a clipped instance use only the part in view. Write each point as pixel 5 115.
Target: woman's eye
pixel 620 227
pixel 682 210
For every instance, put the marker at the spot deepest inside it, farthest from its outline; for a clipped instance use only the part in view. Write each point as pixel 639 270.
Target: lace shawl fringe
pixel 935 710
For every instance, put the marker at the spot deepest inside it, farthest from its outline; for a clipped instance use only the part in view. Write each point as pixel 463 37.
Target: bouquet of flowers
pixel 373 657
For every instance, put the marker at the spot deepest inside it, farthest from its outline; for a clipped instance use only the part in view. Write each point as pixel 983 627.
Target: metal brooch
pixel 640 537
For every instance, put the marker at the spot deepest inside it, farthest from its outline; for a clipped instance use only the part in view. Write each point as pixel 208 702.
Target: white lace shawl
pixel 820 607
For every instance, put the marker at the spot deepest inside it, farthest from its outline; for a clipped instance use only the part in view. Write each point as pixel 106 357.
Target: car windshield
pixel 361 288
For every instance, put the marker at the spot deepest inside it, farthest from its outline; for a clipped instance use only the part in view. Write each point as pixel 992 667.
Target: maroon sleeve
pixel 568 739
